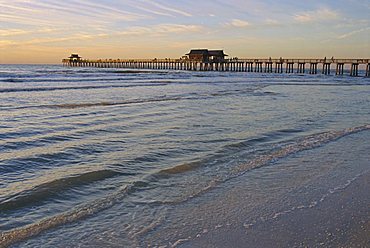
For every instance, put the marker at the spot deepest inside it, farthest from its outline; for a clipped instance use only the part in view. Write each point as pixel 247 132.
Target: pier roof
pixel 217 53
pixel 207 52
pixel 73 56
pixel 198 51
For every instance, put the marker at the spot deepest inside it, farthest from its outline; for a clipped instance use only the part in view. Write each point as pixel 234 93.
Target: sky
pixel 45 31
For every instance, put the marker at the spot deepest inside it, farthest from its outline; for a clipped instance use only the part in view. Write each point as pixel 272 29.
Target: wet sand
pixel 342 220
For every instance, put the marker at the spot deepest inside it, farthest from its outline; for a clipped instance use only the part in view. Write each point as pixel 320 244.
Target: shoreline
pixel 315 198
pixel 345 225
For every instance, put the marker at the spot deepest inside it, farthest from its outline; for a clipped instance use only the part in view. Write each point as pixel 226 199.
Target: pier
pixel 196 63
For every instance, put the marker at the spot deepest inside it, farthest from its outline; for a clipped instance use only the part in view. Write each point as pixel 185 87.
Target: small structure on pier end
pixel 74 58
pixel 205 55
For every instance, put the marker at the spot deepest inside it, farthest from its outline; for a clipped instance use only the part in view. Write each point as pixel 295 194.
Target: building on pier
pixel 205 55
pixel 74 58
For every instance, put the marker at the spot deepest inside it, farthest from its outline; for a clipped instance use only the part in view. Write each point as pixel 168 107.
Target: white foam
pixel 180 241
pixel 306 143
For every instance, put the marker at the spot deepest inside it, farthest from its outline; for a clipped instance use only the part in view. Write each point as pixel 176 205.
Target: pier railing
pixel 260 65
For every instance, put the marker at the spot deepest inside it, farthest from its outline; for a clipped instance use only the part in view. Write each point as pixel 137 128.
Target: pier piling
pixel 313 68
pixel 326 68
pixel 354 70
pixel 289 67
pixel 340 69
pixel 278 67
pixel 268 67
pixel 301 67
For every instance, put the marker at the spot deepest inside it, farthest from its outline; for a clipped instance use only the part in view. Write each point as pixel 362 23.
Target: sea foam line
pixel 308 142
pixel 310 205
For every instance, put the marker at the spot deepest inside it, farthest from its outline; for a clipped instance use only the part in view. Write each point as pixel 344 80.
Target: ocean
pixel 94 157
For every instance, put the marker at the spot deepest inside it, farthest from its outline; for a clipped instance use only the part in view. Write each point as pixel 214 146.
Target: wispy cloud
pixel 5 43
pixel 238 23
pixel 13 7
pixel 106 9
pixel 32 12
pixel 147 31
pixel 272 22
pixel 352 23
pixel 13 32
pixel 155 12
pixel 18 32
pixel 167 8
pixel 349 34
pixel 162 29
pixel 321 14
pixel 45 40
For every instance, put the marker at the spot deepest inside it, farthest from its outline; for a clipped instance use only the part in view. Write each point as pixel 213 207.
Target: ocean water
pixel 93 157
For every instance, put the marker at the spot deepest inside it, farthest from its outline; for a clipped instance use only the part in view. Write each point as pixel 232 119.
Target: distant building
pixel 74 58
pixel 206 55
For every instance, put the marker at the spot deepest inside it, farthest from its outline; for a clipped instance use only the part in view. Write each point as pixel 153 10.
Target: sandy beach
pixel 326 206
pixel 315 214
pixel 340 221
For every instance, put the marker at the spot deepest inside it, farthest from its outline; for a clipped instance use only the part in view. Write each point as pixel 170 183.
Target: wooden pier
pixel 300 66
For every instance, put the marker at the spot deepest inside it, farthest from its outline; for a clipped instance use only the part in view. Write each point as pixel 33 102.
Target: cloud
pixel 47 40
pixel 156 12
pixel 238 23
pixel 9 7
pixel 18 32
pixel 155 30
pixel 5 43
pixel 177 28
pixel 13 32
pixel 118 13
pixel 166 8
pixel 347 35
pixel 322 14
pixel 32 12
pixel 162 29
pixel 272 22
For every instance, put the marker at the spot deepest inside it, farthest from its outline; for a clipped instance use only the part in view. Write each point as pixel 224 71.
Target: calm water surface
pixel 104 156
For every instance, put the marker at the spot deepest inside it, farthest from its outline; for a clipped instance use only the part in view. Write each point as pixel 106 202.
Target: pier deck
pixel 311 66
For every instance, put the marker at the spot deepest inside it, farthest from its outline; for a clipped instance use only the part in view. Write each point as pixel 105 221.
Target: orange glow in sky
pixel 45 31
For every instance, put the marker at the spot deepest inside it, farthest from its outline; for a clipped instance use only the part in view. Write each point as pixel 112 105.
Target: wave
pixel 139 72
pixel 78 213
pixel 265 138
pixel 12 80
pixel 46 190
pixel 100 71
pixel 193 96
pixel 85 105
pixel 86 79
pixel 305 143
pixel 364 83
pixel 182 168
pixel 138 101
pixel 101 104
pixel 89 209
pixel 88 87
